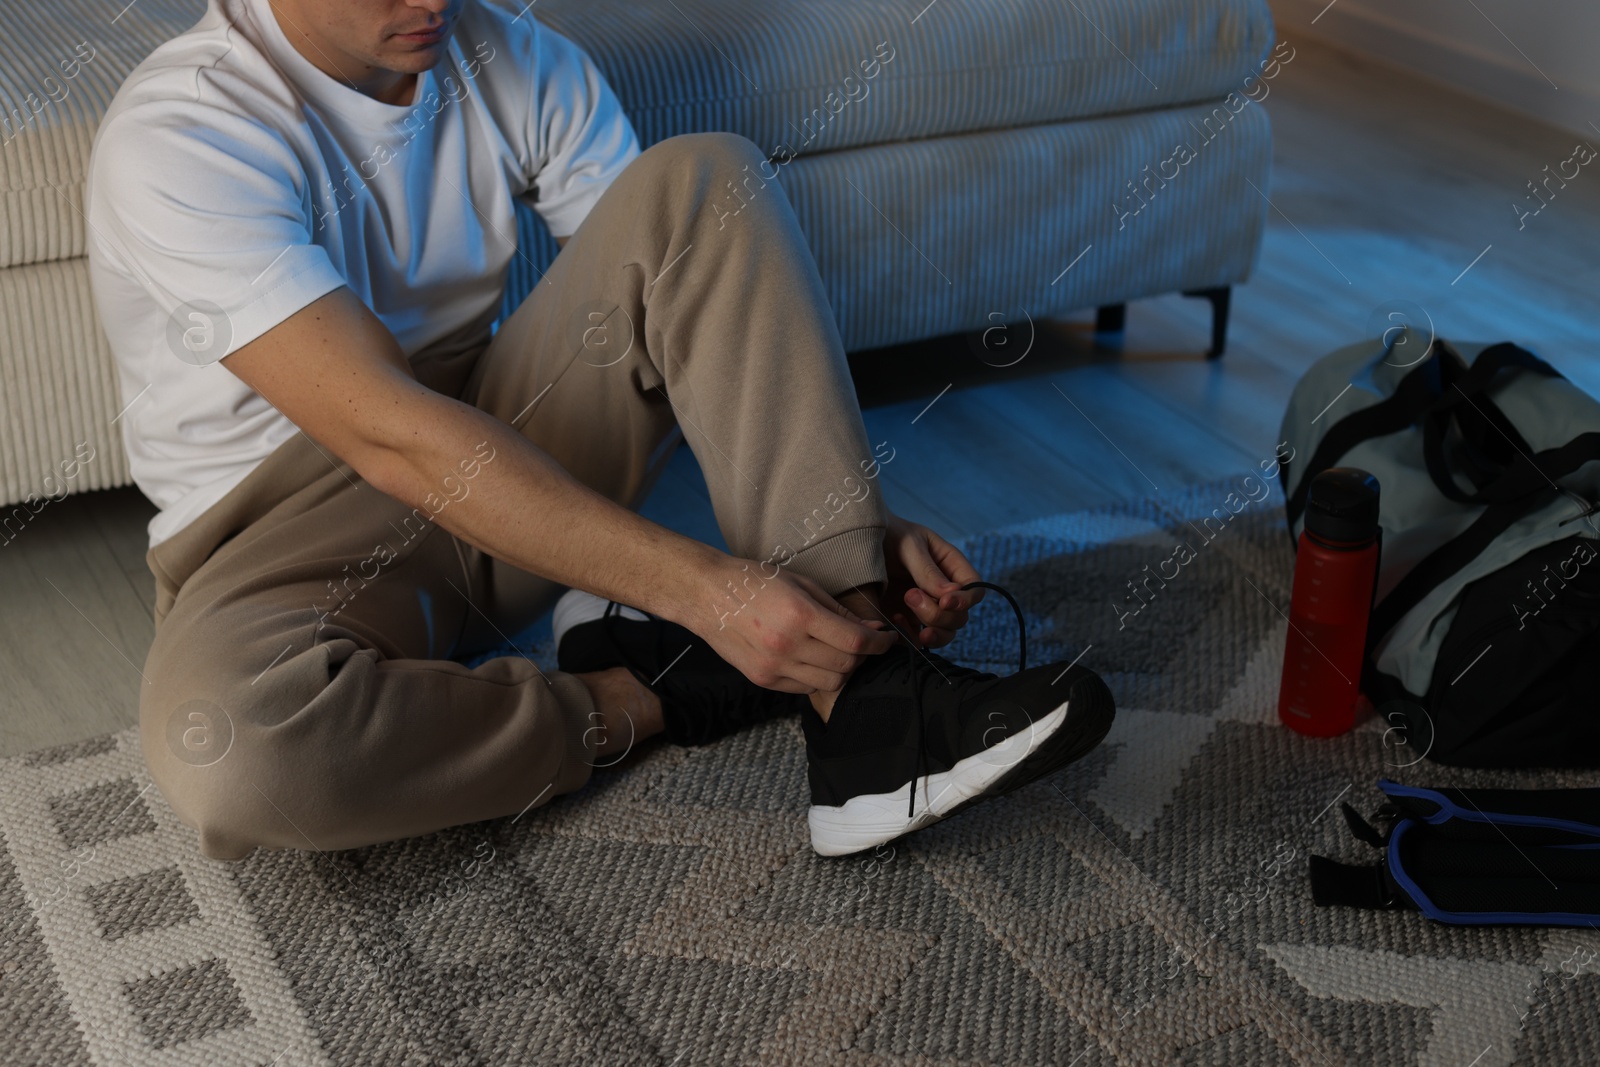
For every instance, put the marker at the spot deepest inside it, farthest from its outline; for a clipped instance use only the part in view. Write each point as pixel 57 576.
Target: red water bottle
pixel 1335 569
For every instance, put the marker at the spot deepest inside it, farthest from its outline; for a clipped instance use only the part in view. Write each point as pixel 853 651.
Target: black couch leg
pixel 1110 319
pixel 1221 298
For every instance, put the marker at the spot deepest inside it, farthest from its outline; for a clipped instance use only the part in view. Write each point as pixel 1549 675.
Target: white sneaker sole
pixel 874 819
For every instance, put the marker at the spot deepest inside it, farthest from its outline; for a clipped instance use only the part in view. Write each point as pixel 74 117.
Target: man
pixel 302 220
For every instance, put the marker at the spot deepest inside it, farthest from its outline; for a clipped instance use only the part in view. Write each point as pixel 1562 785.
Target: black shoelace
pixel 914 653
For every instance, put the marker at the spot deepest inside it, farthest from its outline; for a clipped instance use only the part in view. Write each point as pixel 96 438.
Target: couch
pixel 953 165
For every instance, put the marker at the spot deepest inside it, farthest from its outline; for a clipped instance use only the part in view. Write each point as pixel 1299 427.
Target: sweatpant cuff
pixel 845 560
pixel 577 709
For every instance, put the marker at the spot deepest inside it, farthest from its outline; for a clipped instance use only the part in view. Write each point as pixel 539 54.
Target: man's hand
pixel 926 574
pixel 785 632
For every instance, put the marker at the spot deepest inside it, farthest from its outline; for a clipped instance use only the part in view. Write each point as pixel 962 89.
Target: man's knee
pixel 224 754
pixel 207 766
pixel 719 151
pixel 713 175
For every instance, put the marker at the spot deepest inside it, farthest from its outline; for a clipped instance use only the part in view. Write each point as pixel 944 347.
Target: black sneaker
pixel 703 697
pixel 914 738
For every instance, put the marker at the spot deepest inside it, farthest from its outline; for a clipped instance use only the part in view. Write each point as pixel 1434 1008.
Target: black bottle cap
pixel 1342 507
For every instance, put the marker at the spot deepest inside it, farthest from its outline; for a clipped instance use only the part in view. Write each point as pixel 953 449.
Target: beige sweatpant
pixel 300 692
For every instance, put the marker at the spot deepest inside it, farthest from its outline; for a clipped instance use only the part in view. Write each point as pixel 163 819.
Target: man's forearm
pixel 487 484
pixel 335 369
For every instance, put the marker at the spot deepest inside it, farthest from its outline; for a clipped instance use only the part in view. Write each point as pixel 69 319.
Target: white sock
pixel 577 607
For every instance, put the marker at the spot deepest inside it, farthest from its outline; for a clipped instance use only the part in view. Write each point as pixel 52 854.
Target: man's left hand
pixel 926 574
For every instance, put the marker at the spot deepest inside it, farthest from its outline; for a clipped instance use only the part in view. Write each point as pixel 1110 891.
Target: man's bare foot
pixel 864 603
pixel 625 712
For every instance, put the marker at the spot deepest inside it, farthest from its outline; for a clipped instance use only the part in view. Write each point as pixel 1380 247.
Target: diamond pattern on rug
pixel 75 750
pixel 141 902
pixel 1146 906
pixel 35 1016
pixel 186 1004
pixel 101 813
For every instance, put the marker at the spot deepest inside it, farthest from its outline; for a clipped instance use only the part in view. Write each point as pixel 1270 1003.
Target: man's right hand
pixel 789 634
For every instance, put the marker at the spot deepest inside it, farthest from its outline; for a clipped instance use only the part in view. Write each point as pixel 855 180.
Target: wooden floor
pixel 1385 189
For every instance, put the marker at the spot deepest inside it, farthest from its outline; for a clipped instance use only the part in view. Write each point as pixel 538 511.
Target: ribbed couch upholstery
pixel 58 385
pixel 947 163
pixel 964 65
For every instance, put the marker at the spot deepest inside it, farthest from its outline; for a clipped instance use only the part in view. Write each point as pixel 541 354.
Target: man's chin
pixel 413 60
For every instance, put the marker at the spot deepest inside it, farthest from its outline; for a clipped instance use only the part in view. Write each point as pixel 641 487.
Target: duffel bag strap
pixel 1490 439
pixel 1417 392
pixel 1527 485
pixel 1431 394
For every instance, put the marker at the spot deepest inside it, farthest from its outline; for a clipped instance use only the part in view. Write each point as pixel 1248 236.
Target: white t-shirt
pixel 232 183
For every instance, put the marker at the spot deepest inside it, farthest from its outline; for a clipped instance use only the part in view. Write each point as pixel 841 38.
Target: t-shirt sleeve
pixel 206 214
pixel 581 137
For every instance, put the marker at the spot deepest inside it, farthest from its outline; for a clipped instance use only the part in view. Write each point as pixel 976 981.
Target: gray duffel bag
pixel 1484 643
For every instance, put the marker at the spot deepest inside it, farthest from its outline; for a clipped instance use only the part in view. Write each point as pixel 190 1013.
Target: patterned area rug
pixel 1146 906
